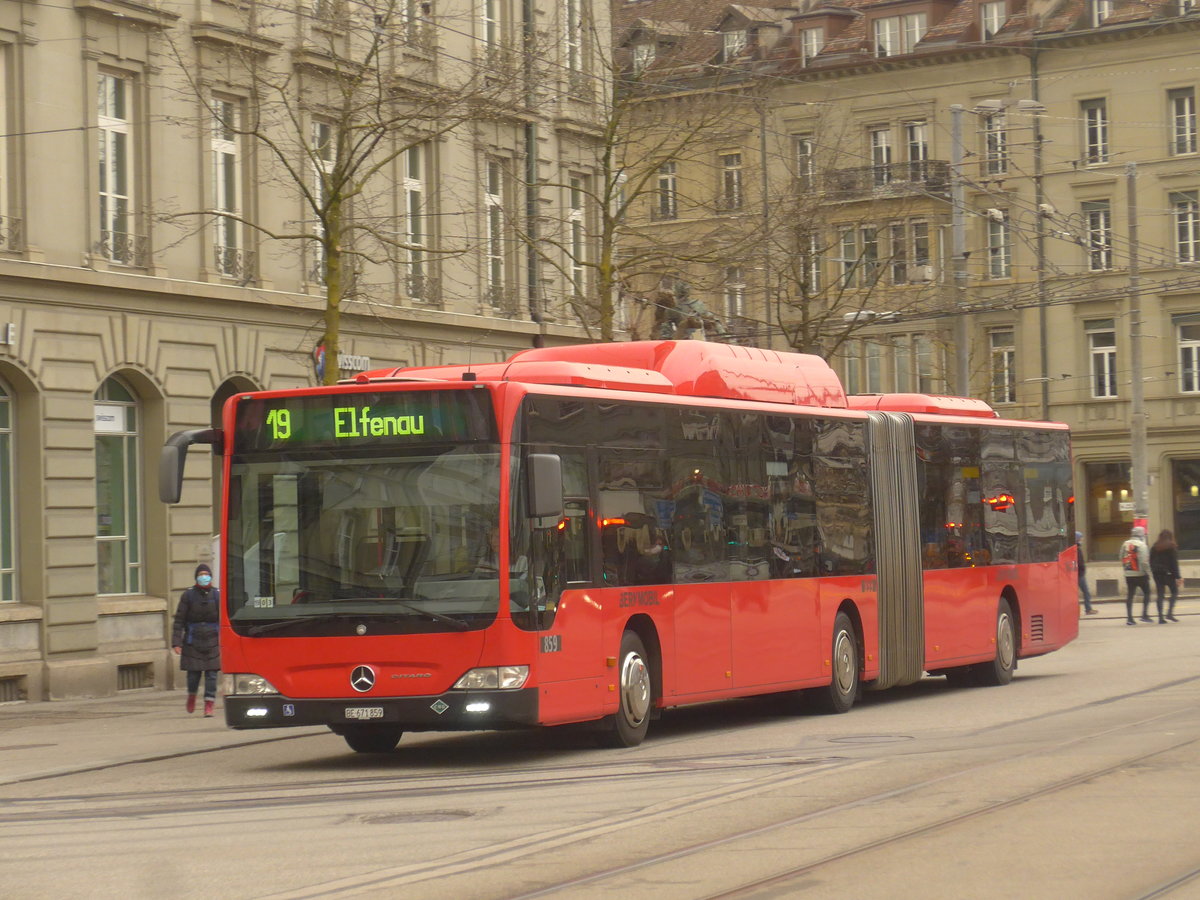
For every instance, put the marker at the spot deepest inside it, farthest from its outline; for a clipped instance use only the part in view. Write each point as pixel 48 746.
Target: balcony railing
pixel 124 248
pixel 925 176
pixel 234 263
pixel 12 233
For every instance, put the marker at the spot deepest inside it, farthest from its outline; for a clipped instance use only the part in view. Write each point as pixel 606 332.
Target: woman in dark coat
pixel 1164 566
pixel 194 638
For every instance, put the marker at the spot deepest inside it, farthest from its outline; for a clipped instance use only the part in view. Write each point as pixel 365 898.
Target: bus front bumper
pixel 451 711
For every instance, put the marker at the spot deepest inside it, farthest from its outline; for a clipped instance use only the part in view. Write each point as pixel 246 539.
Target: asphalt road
pixel 1080 779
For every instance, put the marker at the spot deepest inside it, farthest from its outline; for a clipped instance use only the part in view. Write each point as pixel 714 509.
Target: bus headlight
pixel 246 684
pixel 499 678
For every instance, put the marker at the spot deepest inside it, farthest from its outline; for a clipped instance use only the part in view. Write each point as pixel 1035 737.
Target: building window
pixel 909 253
pixel 880 140
pixel 916 142
pixel 847 255
pixel 898 234
pixel 1185 488
pixel 734 43
pixel 920 245
pixel 489 20
pixel 1183 120
pixel 895 35
pixel 852 366
pixel 999 244
pixel 493 202
pixel 418 23
pixel 1004 366
pixel 1187 6
pixel 873 358
pixel 642 54
pixel 1102 347
pixel 576 214
pixel 666 195
pixel 869 242
pixel 227 187
pixel 1098 11
pixel 8 550
pixel 1094 114
pixel 1185 207
pixel 991 19
pixel 118 495
pixel 903 358
pixel 805 162
pixel 1188 329
pixel 573 35
pixel 731 181
pixel 416 235
pixel 116 169
pixel 323 159
pixel 1097 221
pixel 812 42
pixel 927 379
pixel 735 292
pixel 995 145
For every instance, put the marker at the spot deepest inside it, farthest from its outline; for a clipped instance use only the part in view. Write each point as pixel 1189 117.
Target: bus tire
pixel 372 740
pixel 842 690
pixel 635 696
pixel 1000 670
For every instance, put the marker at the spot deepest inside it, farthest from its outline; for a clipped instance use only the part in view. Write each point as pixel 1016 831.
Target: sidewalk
pixel 38 740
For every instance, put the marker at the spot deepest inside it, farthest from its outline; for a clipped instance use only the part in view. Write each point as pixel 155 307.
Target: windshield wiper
pixel 456 624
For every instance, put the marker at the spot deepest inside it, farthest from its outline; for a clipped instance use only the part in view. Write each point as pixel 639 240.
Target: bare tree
pixel 636 169
pixel 343 117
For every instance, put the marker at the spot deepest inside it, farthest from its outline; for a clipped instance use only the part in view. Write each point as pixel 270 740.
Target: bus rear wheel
pixel 372 740
pixel 842 691
pixel 635 695
pixel 1000 670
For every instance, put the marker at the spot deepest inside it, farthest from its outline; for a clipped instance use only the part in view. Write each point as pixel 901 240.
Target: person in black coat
pixel 194 638
pixel 1164 566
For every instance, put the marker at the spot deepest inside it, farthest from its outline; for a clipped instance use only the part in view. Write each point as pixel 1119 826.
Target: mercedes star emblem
pixel 362 679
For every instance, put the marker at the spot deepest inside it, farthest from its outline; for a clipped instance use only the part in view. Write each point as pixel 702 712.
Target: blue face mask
pixel 204 580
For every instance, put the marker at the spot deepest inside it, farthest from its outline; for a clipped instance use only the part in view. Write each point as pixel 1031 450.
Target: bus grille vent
pixel 135 677
pixel 12 690
pixel 1037 628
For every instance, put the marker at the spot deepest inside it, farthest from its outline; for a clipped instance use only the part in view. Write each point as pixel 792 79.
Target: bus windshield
pixel 319 544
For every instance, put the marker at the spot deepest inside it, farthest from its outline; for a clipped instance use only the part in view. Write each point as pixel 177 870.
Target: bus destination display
pixel 363 420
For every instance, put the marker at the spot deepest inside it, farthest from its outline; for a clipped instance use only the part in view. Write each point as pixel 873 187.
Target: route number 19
pixel 280 421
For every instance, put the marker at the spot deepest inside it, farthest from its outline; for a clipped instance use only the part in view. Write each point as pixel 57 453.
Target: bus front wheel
pixel 372 740
pixel 842 691
pixel 635 695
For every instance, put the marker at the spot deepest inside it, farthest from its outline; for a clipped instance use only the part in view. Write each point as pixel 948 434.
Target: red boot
pixel 191 703
pixel 208 708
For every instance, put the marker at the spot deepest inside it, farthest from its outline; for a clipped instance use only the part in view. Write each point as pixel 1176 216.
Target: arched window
pixel 8 549
pixel 118 494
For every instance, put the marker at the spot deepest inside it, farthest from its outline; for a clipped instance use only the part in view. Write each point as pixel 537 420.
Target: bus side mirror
pixel 174 452
pixel 545 485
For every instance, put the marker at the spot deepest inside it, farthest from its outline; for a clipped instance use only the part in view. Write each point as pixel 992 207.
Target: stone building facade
pixel 123 319
pixel 1069 122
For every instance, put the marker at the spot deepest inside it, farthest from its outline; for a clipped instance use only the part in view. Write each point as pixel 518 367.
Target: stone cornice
pixel 128 11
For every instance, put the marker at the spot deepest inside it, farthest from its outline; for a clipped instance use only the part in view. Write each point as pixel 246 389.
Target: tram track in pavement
pixel 384 881
pixel 419 785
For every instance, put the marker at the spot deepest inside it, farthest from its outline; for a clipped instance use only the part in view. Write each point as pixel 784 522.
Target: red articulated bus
pixel 595 533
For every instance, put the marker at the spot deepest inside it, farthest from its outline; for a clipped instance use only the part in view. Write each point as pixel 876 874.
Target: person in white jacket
pixel 1135 560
